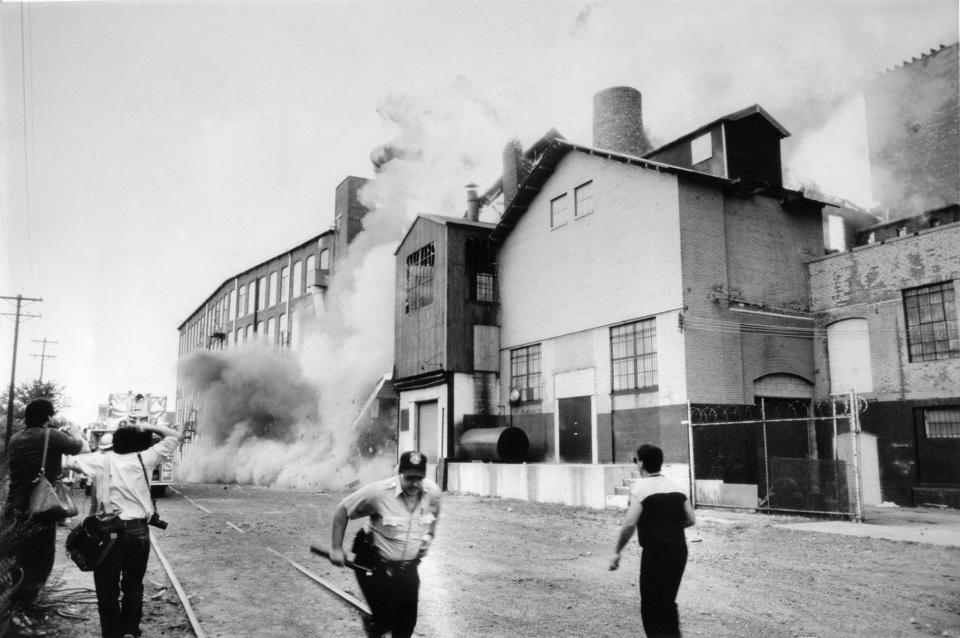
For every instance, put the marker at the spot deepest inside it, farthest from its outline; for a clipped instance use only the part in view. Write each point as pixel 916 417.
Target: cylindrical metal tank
pixel 618 121
pixel 507 445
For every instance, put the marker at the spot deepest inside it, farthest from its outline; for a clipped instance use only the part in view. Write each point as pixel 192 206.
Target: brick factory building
pixel 886 309
pixel 626 283
pixel 270 301
pixel 623 285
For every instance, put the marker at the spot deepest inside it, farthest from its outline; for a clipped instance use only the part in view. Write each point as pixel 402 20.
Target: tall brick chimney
pixel 618 121
pixel 512 170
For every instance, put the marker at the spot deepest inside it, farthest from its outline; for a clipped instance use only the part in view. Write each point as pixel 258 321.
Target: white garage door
pixel 428 430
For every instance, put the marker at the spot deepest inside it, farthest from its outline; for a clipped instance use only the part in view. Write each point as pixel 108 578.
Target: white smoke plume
pixel 284 418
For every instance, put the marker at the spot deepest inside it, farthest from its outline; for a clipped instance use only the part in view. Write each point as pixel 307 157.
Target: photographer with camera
pixel 121 485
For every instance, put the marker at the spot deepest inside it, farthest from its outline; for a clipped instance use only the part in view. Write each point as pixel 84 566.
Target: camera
pixel 156 521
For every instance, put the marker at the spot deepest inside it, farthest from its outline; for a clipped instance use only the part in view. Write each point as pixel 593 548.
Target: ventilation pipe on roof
pixel 618 121
pixel 473 204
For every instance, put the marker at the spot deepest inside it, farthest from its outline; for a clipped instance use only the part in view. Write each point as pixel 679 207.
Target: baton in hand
pixel 323 551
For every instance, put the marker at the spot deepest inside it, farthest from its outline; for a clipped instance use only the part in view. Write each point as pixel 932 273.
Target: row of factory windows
pixel 253 296
pixel 932 334
pixel 633 362
pixel 277 331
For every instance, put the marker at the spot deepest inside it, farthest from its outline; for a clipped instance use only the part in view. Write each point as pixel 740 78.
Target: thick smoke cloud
pixel 287 418
pixel 259 423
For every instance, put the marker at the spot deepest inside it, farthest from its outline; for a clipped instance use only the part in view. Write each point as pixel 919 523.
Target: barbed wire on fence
pixel 705 413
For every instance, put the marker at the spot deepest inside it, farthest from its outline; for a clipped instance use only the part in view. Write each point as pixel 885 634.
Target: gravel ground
pixel 516 569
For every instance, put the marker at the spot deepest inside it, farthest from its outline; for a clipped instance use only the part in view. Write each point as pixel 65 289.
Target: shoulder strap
pixel 46 441
pixel 147 479
pixel 102 484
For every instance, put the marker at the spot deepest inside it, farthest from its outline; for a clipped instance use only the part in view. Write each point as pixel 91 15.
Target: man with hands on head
pixel 403 512
pixel 121 484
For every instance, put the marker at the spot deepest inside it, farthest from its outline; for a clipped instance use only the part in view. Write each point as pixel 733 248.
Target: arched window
pixel 297 278
pixel 325 259
pixel 284 283
pixel 273 289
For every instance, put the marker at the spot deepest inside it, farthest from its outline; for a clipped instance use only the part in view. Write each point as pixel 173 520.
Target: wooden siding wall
pixel 421 333
pixel 462 312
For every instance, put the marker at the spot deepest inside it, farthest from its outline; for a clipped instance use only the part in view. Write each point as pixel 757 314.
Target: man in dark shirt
pixel 659 511
pixel 35 543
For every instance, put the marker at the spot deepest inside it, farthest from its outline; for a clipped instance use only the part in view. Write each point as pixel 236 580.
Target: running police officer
pixel 403 512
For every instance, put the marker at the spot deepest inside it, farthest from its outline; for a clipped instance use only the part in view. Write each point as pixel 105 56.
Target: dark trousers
pixel 392 590
pixel 119 581
pixel 393 593
pixel 661 569
pixel 33 552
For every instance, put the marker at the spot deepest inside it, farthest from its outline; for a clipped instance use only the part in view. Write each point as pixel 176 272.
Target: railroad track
pixel 196 626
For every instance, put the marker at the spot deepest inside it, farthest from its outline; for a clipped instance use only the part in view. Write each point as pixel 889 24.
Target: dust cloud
pixel 287 418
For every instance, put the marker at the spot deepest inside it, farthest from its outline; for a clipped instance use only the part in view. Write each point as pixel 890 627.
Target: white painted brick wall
pixel 618 263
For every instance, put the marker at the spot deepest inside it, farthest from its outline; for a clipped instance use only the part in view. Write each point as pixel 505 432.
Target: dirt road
pixel 516 569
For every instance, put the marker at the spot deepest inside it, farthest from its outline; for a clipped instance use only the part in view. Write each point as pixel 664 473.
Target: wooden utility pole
pixel 43 356
pixel 13 367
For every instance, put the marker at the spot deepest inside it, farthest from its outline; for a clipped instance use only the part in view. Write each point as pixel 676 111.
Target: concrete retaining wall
pixel 568 484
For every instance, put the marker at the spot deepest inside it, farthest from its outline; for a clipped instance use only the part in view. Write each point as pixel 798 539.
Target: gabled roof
pixel 552 156
pixel 445 221
pixel 559 148
pixel 755 109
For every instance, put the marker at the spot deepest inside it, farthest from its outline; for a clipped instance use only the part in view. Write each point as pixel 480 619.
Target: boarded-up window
pixel 486 348
pixel 848 348
pixel 701 148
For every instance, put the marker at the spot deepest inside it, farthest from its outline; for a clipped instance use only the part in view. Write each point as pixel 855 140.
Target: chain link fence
pixel 780 455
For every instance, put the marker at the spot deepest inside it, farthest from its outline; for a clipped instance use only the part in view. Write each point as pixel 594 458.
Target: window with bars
pixel 558 211
pixel 942 423
pixel 420 278
pixel 481 269
pixel 525 372
pixel 931 316
pixel 633 356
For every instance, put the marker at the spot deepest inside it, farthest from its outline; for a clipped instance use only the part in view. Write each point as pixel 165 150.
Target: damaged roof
pixel 531 186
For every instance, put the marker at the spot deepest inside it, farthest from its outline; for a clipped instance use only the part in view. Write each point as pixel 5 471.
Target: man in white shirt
pixel 121 485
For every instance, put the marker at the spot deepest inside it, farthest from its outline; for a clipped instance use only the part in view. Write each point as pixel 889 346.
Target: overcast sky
pixel 151 151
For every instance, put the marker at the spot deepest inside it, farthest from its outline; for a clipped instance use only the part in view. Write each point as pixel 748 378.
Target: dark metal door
pixel 576 441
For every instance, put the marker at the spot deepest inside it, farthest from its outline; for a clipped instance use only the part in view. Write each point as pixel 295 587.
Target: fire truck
pixel 132 409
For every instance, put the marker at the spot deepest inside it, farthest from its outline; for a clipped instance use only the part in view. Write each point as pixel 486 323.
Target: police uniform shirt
pixel 395 528
pixel 129 490
pixel 662 518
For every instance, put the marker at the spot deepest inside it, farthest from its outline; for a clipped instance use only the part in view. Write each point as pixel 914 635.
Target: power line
pixel 43 354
